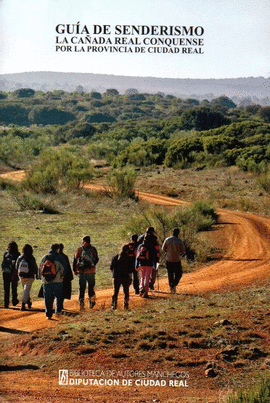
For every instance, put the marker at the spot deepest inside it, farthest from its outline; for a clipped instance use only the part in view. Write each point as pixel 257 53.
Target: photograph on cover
pixel 134 201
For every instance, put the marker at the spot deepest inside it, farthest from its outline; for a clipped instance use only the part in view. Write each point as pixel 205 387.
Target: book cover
pixel 192 50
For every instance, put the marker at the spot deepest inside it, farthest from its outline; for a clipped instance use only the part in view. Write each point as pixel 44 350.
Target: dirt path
pixel 246 261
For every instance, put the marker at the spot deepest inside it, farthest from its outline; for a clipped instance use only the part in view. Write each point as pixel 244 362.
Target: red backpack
pixel 48 270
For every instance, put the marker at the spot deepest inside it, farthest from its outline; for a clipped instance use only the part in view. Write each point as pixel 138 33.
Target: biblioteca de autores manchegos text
pixel 151 39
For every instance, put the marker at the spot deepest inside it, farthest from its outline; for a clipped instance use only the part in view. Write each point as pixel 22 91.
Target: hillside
pixel 209 88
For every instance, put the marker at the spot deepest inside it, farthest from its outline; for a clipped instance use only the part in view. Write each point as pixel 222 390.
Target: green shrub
pixel 58 170
pixel 260 393
pixel 121 184
pixel 26 202
pixel 263 181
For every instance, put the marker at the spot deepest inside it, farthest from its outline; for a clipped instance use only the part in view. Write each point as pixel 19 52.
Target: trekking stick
pixel 157 276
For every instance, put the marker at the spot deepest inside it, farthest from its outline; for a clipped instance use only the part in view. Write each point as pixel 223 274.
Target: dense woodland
pixel 134 129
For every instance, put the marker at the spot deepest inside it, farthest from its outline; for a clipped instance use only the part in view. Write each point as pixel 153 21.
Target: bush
pixel 26 202
pixel 58 169
pixel 260 393
pixel 121 184
pixel 263 181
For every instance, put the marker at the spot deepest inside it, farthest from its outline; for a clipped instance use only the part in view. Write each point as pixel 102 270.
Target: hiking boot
pixel 173 289
pixel 81 305
pixel 23 307
pixel 29 303
pixel 14 303
pixel 92 302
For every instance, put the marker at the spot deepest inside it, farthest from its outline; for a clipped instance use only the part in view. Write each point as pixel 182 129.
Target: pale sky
pixel 235 41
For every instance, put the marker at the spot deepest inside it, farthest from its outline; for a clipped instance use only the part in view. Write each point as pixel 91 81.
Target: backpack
pixel 130 249
pixel 143 255
pixel 87 259
pixel 8 264
pixel 48 270
pixel 23 267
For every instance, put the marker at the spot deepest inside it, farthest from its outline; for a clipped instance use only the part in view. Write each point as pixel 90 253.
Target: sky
pixel 234 37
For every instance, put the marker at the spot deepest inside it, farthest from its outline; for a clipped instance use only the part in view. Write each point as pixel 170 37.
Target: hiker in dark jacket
pixel 27 270
pixel 84 266
pixel 68 275
pixel 52 282
pixel 131 253
pixel 122 275
pixel 10 276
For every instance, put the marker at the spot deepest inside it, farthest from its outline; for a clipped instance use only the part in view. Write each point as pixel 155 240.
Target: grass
pixel 226 187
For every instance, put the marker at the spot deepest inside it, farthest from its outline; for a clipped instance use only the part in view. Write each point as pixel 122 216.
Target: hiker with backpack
pixel 10 276
pixel 68 275
pixel 145 262
pixel 84 266
pixel 174 250
pixel 52 274
pixel 131 252
pixel 121 268
pixel 153 240
pixel 27 270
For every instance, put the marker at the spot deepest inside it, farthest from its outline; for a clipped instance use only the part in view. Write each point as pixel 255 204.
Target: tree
pixel 46 115
pixel 224 101
pixel 111 92
pixel 82 130
pixel 202 119
pixel 131 91
pixel 265 113
pixel 3 95
pixel 24 93
pixel 95 95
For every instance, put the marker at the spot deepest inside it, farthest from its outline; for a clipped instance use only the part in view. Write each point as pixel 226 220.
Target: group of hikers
pixel 136 263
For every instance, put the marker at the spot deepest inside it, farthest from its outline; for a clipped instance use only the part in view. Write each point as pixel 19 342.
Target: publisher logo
pixel 63 376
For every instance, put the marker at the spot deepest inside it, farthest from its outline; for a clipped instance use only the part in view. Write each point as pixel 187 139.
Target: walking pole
pixel 157 276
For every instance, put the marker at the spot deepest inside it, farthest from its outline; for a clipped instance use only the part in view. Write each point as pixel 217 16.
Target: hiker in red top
pixel 84 266
pixel 154 242
pixel 145 262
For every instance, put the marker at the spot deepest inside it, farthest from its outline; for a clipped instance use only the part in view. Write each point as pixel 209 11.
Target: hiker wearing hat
pixel 84 266
pixel 174 250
